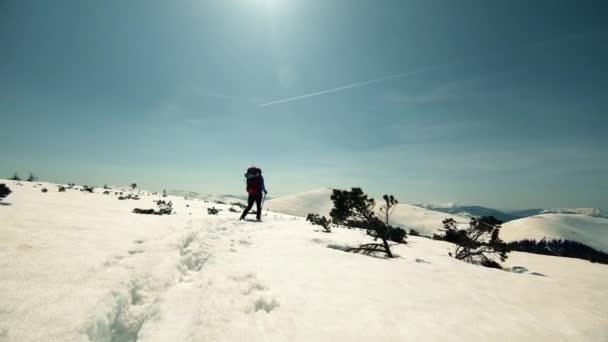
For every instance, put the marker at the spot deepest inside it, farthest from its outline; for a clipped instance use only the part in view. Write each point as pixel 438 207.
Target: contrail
pixel 348 86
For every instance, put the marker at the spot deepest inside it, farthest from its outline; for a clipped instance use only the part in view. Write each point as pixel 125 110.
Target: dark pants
pixel 257 198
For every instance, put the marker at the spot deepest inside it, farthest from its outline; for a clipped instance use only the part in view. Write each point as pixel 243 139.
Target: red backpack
pixel 254 180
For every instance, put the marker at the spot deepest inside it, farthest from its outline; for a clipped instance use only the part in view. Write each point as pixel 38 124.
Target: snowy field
pixel 76 266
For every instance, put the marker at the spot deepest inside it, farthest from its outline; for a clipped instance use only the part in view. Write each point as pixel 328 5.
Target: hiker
pixel 255 187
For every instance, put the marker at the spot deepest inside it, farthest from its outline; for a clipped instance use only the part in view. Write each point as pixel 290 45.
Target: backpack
pixel 254 180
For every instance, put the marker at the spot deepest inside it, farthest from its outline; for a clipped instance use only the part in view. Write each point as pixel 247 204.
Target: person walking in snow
pixel 255 188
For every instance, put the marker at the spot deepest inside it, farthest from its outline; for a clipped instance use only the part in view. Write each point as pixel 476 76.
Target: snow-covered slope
pixel 316 202
pixel 76 266
pixel 427 222
pixel 592 231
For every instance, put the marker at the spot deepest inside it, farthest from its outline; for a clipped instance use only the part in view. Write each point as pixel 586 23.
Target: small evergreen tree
pixel 32 178
pixel 479 242
pixel 16 177
pixel 390 203
pixel 356 210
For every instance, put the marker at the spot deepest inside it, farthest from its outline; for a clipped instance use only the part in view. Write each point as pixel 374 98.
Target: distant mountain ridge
pixel 207 197
pixel 506 216
pixel 470 211
pixel 593 212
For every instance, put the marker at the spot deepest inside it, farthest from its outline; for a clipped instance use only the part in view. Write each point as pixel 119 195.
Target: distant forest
pixel 559 247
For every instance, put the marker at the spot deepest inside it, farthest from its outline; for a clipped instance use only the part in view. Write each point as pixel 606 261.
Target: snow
pixel 592 231
pixel 315 201
pixel 81 267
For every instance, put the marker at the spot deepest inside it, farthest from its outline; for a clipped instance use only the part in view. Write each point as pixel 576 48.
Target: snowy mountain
pixel 315 201
pixel 427 222
pixel 469 211
pixel 592 231
pixel 506 216
pixel 593 212
pixel 77 266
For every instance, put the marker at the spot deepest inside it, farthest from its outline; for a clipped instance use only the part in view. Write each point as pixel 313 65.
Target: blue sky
pixel 498 103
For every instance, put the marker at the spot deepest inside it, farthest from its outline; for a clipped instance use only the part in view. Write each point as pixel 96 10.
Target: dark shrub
pixel 457 236
pixel 45 190
pixel 4 191
pixel 320 221
pixel 144 211
pixel 414 232
pixel 129 197
pixel 232 210
pixel 397 235
pixel 15 177
pixel 164 208
pixel 437 237
pixel 212 211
